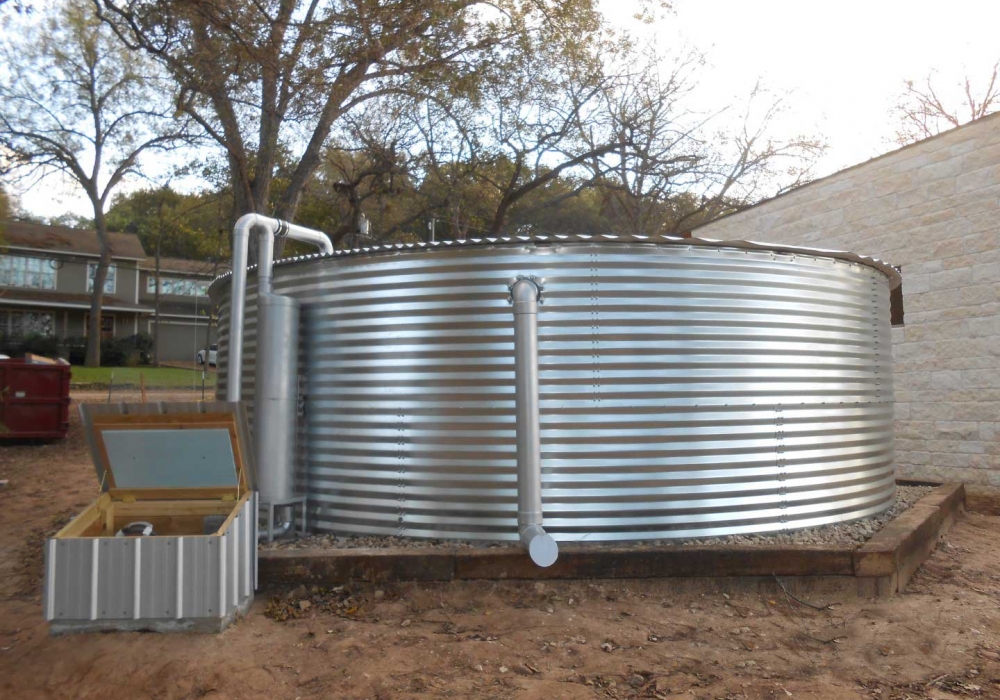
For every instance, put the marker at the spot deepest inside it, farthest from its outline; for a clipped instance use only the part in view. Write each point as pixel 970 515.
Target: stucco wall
pixel 934 209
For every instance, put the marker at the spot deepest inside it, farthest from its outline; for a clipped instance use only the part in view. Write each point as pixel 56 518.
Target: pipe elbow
pixel 524 291
pixel 541 546
pixel 280 531
pixel 248 221
pixel 524 296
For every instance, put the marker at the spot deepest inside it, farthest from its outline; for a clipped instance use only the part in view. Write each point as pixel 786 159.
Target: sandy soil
pixel 622 639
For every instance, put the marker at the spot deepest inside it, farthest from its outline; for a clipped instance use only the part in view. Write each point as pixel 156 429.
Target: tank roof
pixel 890 271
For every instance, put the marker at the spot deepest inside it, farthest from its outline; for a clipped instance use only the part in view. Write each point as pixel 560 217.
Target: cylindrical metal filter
pixel 276 397
pixel 684 390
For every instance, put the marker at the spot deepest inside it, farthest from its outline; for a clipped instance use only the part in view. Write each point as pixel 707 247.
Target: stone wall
pixel 934 209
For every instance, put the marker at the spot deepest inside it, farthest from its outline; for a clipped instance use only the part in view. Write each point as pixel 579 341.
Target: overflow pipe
pixel 542 548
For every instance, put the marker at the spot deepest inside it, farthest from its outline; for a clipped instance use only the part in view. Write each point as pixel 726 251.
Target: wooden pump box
pixel 181 475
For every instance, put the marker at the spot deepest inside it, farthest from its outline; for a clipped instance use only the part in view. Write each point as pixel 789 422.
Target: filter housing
pixel 687 388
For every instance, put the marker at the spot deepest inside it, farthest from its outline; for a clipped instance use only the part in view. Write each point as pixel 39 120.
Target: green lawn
pixel 155 377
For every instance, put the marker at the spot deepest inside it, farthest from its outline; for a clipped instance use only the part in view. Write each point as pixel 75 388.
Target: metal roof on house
pixel 62 300
pixel 181 266
pixel 72 241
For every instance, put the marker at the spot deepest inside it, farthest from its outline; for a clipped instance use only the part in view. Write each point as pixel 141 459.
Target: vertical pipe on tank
pixel 524 294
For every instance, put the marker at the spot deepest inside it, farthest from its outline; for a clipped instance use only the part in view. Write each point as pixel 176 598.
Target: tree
pixel 925 110
pixel 539 102
pixel 5 206
pixel 6 209
pixel 519 131
pixel 273 74
pixel 684 168
pixel 367 171
pixel 75 101
pixel 172 224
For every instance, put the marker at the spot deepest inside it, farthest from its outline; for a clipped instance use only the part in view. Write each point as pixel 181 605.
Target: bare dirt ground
pixel 621 639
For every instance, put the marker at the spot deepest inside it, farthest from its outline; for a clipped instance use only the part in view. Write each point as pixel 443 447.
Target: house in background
pixel 932 208
pixel 46 276
pixel 185 309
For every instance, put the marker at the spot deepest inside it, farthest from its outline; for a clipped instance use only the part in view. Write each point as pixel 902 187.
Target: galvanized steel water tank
pixel 687 388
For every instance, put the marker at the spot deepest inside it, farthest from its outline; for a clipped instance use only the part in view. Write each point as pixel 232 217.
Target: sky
pixel 841 65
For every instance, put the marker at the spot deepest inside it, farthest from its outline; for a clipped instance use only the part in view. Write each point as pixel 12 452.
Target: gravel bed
pixel 855 532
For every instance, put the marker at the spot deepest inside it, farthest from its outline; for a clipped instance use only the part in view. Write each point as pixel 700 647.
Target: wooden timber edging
pixel 882 566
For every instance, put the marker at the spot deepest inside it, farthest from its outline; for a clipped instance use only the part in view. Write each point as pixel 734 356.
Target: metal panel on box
pixel 192 575
pixel 166 458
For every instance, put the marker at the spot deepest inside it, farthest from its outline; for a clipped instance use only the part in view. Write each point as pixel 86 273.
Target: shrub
pixel 115 352
pixel 143 343
pixel 76 349
pixel 126 352
pixel 44 345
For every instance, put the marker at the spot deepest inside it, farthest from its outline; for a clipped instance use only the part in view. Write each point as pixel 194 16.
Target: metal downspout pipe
pixel 524 295
pixel 276 375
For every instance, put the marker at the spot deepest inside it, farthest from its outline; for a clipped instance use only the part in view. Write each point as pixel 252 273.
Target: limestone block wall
pixel 934 209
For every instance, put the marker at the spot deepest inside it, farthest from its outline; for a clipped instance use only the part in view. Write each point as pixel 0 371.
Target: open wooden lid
pixel 170 450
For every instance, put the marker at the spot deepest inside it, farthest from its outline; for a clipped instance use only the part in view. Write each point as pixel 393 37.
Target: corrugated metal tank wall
pixel 685 391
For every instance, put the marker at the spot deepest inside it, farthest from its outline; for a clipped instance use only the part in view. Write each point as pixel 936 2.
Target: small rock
pixel 298 592
pixel 608 647
pixel 406 623
pixel 636 681
pixel 503 669
pixel 379 595
pixel 304 605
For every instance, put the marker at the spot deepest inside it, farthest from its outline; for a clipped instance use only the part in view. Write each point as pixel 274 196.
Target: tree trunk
pixel 93 356
pixel 156 302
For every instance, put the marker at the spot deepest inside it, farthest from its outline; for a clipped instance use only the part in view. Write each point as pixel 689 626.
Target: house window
pixel 18 271
pixel 177 286
pixel 107 326
pixel 109 282
pixel 20 324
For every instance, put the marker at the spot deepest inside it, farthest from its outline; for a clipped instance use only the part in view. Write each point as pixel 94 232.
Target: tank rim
pixel 889 270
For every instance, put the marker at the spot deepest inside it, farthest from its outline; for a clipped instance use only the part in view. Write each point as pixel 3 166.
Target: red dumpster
pixel 34 400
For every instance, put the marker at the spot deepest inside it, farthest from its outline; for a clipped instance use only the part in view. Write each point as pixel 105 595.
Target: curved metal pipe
pixel 525 295
pixel 241 244
pixel 276 376
pixel 280 531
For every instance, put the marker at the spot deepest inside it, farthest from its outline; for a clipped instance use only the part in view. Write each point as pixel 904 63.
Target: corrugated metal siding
pixel 94 578
pixel 685 391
